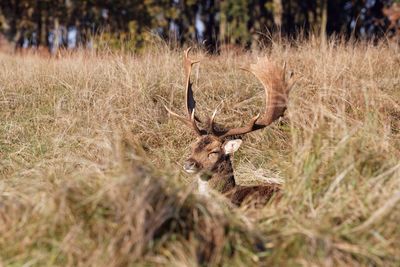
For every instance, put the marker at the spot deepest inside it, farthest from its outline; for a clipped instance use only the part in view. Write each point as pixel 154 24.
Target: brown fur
pixel 260 194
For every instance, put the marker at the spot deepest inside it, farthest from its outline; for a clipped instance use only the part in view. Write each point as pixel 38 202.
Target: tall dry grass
pixel 90 162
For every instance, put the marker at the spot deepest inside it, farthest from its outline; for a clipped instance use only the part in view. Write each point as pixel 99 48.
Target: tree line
pixel 246 23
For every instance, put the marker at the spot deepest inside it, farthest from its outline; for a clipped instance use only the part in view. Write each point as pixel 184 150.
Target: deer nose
pixel 190 166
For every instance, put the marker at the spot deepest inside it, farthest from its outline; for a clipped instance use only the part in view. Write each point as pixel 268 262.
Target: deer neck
pixel 222 182
pixel 221 179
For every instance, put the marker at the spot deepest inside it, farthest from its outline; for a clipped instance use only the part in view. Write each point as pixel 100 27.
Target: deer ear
pixel 232 146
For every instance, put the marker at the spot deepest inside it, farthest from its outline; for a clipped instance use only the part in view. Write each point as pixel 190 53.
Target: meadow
pixel 91 164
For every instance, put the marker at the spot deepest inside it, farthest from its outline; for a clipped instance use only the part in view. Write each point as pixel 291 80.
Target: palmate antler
pixel 276 89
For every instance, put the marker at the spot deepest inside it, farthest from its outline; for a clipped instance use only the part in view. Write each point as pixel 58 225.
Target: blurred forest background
pixel 130 24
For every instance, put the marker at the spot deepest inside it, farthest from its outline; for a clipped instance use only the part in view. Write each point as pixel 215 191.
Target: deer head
pixel 210 155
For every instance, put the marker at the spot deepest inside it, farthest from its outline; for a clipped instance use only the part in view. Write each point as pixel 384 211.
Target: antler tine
pixel 179 117
pixel 189 122
pixel 211 122
pixel 251 126
pixel 276 94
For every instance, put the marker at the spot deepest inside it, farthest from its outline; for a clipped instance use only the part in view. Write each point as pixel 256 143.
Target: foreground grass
pixel 90 162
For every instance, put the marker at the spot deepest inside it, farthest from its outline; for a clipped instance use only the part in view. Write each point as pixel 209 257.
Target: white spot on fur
pixel 202 187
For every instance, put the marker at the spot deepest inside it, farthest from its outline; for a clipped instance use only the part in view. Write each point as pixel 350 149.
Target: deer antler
pixel 276 89
pixel 276 95
pixel 190 102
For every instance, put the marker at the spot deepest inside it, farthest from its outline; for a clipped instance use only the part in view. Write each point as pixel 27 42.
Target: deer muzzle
pixel 191 166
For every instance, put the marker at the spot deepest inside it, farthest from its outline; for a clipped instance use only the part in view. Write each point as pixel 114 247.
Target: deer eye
pixel 213 154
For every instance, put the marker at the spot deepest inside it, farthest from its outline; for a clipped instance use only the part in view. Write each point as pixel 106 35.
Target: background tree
pixel 128 24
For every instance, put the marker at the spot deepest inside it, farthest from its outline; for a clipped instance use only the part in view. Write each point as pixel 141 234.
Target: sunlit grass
pixel 90 163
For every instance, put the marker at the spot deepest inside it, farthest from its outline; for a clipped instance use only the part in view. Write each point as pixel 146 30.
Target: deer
pixel 210 158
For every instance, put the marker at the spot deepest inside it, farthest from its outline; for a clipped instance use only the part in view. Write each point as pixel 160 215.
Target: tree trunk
pixel 278 9
pixel 56 37
pixel 222 26
pixel 324 19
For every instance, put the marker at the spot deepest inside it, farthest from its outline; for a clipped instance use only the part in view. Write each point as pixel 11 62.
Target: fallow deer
pixel 210 159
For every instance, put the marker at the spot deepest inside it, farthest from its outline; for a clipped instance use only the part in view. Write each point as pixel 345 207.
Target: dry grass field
pixel 90 162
